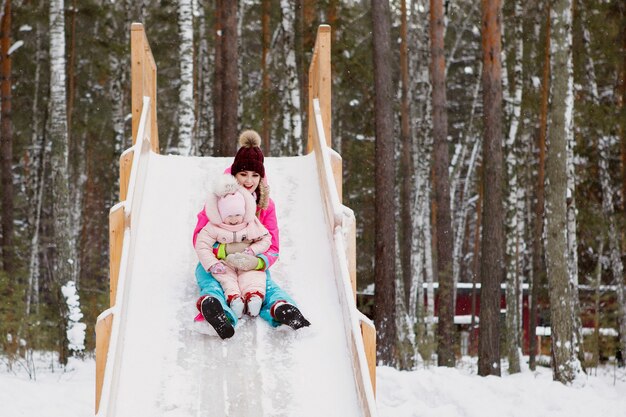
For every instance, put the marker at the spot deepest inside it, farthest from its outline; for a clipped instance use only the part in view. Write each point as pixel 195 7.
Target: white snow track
pixel 151 358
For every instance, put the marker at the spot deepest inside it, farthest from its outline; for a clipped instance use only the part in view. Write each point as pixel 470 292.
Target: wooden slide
pixel 151 361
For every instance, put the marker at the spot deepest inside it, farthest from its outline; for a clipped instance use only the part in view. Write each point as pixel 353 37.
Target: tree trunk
pixel 186 117
pixel 565 362
pixel 446 339
pixel 35 180
pixel 515 217
pixel 230 87
pixel 538 260
pixel 62 262
pixel 218 76
pixel 203 107
pixel 492 261
pixel 406 161
pixel 265 89
pixel 290 91
pixel 6 130
pixel 385 295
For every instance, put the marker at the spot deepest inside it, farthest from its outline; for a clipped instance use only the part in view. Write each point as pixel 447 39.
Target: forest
pixel 495 132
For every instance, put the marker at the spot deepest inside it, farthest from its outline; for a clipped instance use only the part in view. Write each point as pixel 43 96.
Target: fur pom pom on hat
pixel 224 185
pixel 249 157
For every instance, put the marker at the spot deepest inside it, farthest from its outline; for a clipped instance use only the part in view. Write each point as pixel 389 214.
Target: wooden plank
pixel 126 165
pixel 369 340
pixel 137 40
pixel 351 254
pixel 336 166
pixel 103 337
pixel 116 241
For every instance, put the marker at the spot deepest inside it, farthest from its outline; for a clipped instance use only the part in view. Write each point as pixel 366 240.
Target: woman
pixel 278 307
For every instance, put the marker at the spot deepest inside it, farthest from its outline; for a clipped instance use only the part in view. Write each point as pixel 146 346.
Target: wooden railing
pixel 360 330
pixel 133 166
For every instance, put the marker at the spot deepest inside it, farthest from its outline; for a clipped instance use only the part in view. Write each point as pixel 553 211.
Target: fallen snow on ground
pixel 426 392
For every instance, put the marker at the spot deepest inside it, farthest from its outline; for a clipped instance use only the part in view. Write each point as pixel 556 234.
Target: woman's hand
pixel 242 261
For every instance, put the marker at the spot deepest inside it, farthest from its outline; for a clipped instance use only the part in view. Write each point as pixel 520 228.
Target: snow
pixel 426 392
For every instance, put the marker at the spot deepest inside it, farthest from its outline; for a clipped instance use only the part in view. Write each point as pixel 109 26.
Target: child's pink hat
pixel 231 205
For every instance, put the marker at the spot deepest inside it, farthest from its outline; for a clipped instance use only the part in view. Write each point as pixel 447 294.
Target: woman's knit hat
pixel 249 157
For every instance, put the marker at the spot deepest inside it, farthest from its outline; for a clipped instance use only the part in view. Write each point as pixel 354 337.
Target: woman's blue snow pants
pixel 273 293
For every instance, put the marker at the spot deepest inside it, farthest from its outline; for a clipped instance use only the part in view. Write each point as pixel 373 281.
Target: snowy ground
pixel 426 392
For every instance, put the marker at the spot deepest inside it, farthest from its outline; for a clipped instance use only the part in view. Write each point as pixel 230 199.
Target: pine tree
pixel 492 268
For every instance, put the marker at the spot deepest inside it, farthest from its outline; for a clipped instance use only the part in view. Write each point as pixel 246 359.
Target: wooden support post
pixel 116 241
pixel 320 83
pixel 143 82
pixel 126 164
pixel 368 331
pixel 103 337
pixel 137 40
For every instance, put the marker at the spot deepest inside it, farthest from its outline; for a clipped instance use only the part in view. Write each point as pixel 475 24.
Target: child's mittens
pixel 236 247
pixel 217 268
pixel 242 261
pixel 248 251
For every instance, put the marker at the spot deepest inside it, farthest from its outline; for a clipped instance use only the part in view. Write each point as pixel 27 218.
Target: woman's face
pixel 249 180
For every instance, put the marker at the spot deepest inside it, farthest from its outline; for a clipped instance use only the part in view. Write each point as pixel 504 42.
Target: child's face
pixel 233 220
pixel 249 180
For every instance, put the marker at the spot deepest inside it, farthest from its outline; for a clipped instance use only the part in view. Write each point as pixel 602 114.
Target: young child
pixel 231 213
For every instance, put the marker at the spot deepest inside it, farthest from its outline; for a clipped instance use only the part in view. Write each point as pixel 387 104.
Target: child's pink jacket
pixel 211 233
pixel 266 216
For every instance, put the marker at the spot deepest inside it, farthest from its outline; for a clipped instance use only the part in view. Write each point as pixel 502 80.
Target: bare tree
pixel 515 244
pixel 63 263
pixel 186 117
pixel 6 132
pixel 492 261
pixel 538 261
pixel 385 295
pixel 406 160
pixel 445 327
pixel 565 345
pixel 265 89
pixel 229 77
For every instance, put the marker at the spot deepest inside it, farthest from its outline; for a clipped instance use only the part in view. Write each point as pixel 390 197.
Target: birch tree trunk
pixel 445 328
pixel 63 263
pixel 6 132
pixel 289 89
pixel 35 179
pixel 385 295
pixel 203 108
pixel 186 116
pixel 492 268
pixel 120 77
pixel 515 217
pixel 565 364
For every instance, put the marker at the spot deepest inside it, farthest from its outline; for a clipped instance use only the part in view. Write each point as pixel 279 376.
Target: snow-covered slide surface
pixel 166 368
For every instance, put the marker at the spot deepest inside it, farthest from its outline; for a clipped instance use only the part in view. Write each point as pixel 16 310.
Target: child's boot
pixel 236 304
pixel 213 312
pixel 290 315
pixel 254 304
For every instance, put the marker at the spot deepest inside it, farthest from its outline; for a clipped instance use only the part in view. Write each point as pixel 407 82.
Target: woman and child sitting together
pixel 236 239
